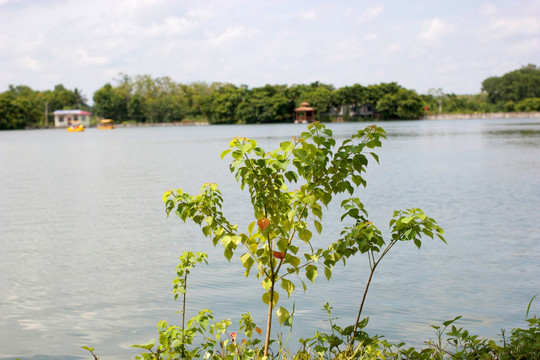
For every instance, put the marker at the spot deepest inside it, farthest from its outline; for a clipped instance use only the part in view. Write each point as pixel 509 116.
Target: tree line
pixel 148 100
pixel 144 99
pixel 21 107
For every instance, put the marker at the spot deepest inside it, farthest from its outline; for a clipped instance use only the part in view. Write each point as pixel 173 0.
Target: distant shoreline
pixel 175 123
pixel 497 115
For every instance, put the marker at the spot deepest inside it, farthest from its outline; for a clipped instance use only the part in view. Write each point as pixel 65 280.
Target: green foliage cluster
pixel 148 100
pixel 450 343
pixel 279 240
pixel 514 86
pixel 518 90
pixel 143 99
pixel 21 107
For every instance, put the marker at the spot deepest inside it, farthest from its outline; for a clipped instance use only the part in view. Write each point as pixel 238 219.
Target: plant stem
pixel 271 297
pixel 184 302
pixel 184 314
pixel 363 300
pixel 269 319
pixel 375 263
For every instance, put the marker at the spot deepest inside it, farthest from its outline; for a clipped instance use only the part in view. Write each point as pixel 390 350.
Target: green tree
pixel 12 115
pixel 513 86
pixel 31 102
pixel 403 104
pixel 197 94
pixel 278 242
pixel 530 104
pixel 321 98
pixel 222 104
pixel 61 98
pixel 350 98
pixel 268 104
pixel 110 102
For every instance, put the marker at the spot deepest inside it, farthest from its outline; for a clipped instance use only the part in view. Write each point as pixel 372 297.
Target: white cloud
pixel 488 9
pixel 266 41
pixel 233 33
pixel 308 15
pixel 6 2
pixel 434 29
pixel 392 49
pixel 86 59
pixel 370 14
pixel 30 63
pixel 206 13
pixel 371 37
pixel 524 26
pixel 171 26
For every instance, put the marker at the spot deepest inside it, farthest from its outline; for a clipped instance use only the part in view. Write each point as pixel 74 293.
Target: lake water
pixel 87 255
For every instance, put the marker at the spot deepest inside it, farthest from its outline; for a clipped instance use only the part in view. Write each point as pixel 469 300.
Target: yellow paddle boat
pixel 106 124
pixel 75 127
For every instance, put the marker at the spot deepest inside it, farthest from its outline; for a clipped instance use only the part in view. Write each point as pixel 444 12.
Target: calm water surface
pixel 87 255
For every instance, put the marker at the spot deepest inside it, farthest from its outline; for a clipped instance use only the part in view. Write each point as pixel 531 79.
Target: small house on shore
pixel 304 113
pixel 65 118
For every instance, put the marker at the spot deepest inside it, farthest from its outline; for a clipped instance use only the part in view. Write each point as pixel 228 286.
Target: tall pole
pixel 46 114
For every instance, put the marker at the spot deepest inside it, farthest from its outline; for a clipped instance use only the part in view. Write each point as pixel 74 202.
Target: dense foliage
pixel 518 90
pixel 278 242
pixel 21 107
pixel 143 99
pixel 147 100
pixel 514 86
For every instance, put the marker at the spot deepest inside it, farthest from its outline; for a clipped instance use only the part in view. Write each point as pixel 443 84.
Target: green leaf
pixel 448 322
pixel 301 154
pixel 286 146
pixel 248 262
pixel 266 284
pixel 529 306
pixel 311 272
pixel 166 195
pixel 304 234
pixel 327 273
pixel 266 298
pixel 225 152
pixel 251 226
pixel 406 220
pixel 326 198
pixel 291 176
pixel 228 253
pixel 282 314
pixel 288 286
pixel 310 200
pixel 318 226
pixel 149 345
pixel 290 215
pixel 88 348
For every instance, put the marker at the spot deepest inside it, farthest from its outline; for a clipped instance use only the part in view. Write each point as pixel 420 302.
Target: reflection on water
pixel 87 255
pixel 517 132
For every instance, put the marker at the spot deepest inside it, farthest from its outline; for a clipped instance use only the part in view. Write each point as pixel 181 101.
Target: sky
pixel 449 44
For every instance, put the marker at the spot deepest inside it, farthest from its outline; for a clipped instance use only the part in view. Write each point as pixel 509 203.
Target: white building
pixel 64 118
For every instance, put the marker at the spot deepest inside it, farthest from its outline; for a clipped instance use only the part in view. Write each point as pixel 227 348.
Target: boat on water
pixel 75 128
pixel 106 124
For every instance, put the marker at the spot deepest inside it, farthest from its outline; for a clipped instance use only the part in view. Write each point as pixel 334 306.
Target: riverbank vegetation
pixel 143 99
pixel 283 246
